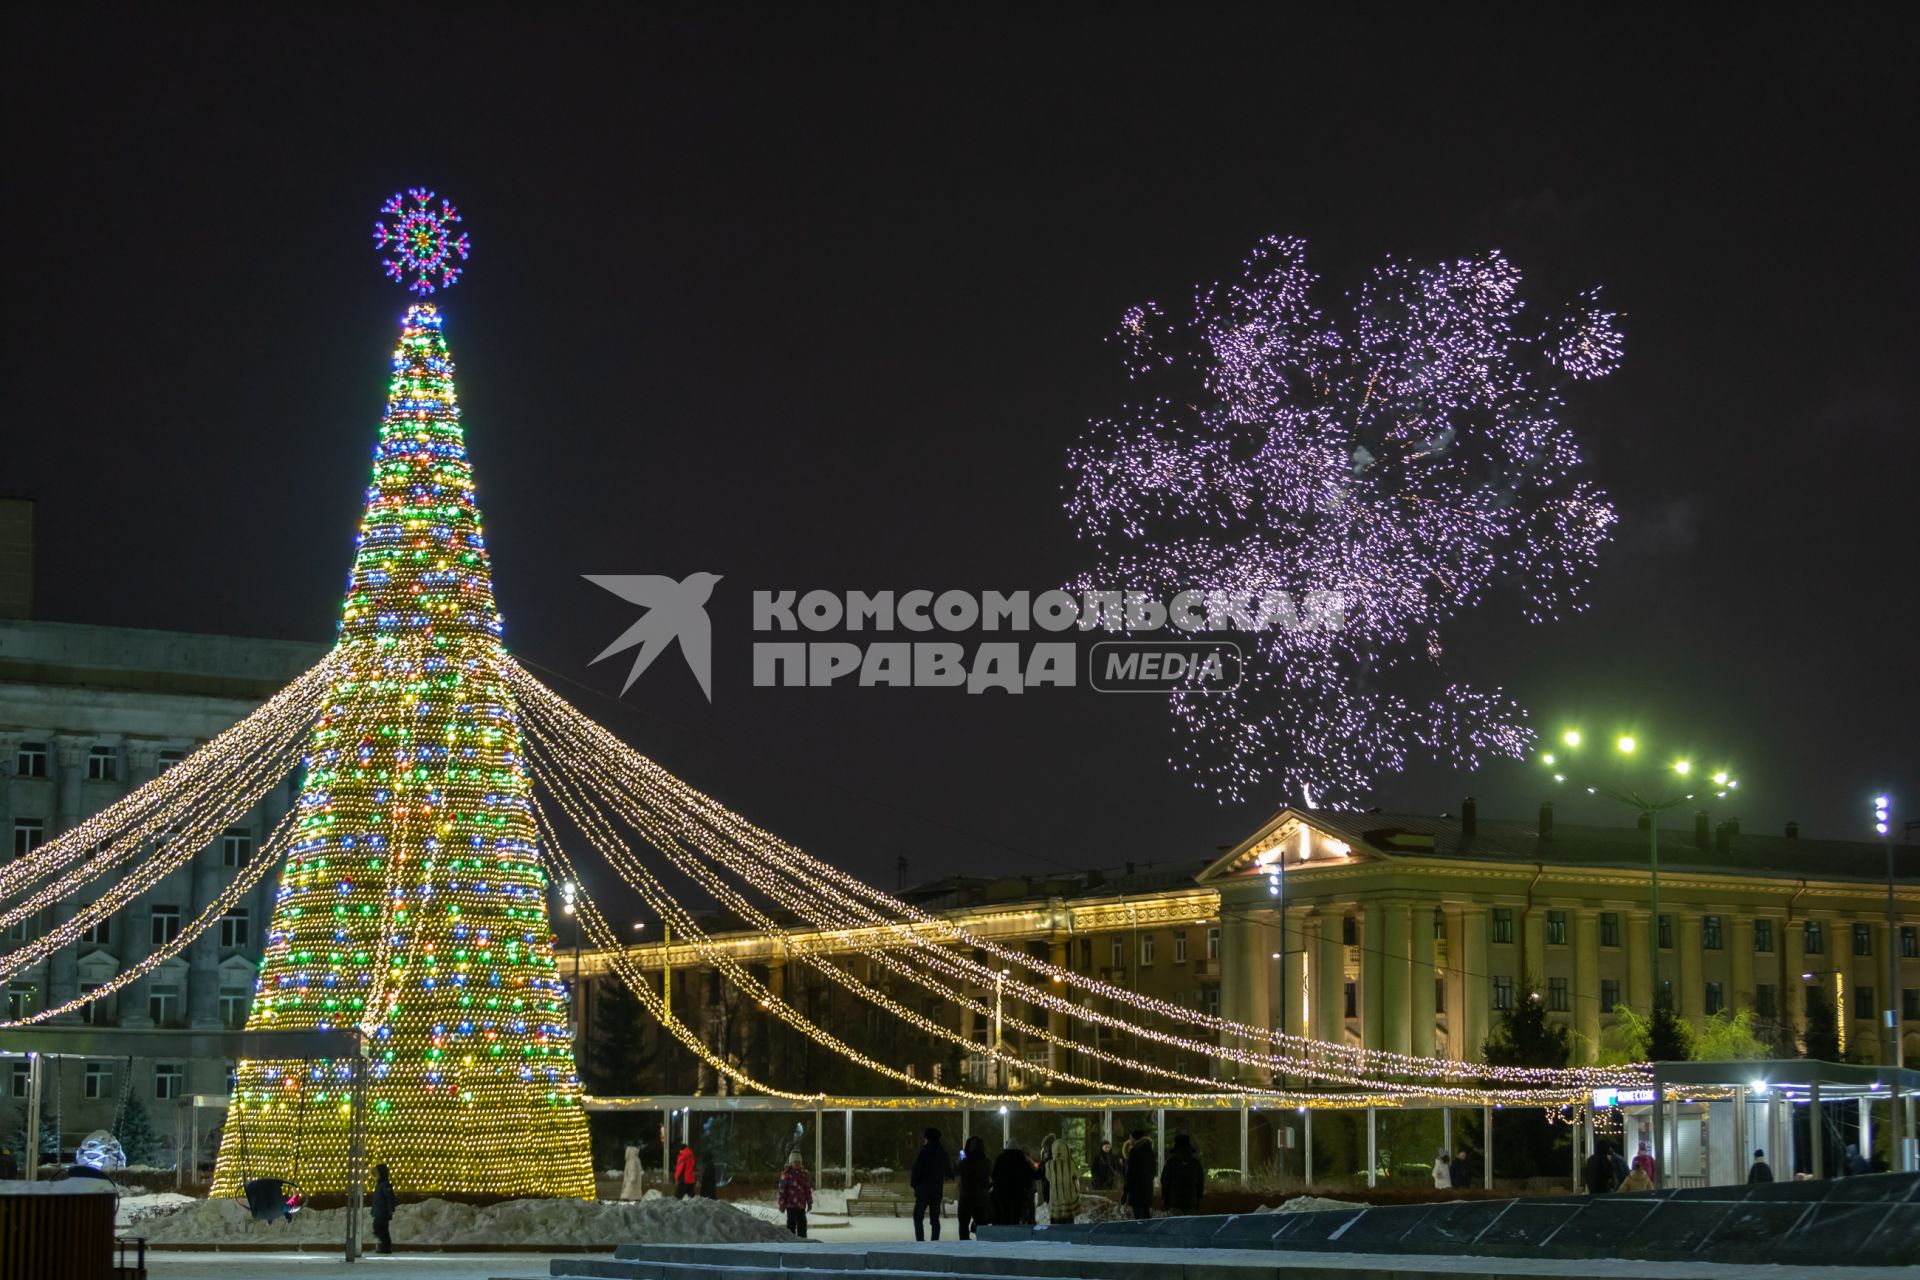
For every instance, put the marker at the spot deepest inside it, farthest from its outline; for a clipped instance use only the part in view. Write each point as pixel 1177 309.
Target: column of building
pixel 1373 1003
pixel 1586 983
pixel 1058 1057
pixel 1330 976
pixel 1639 962
pixel 1422 979
pixel 1393 953
pixel 1298 1001
pixel 1456 980
pixel 1793 962
pixel 1740 979
pixel 1690 982
pixel 1476 981
pixel 1246 966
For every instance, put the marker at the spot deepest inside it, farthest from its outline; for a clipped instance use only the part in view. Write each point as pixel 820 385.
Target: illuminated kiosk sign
pixel 1621 1097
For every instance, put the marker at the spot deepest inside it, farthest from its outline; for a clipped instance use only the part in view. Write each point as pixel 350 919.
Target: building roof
pixel 81 655
pixel 1406 836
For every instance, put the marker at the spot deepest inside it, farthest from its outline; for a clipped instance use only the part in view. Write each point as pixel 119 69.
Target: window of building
pixel 1609 928
pixel 1557 995
pixel 1146 949
pixel 1710 933
pixel 18 1079
pixel 1909 942
pixel 1716 1000
pixel 1213 944
pixel 233 928
pixel 234 1002
pixel 20 1000
pixel 1502 992
pixel 1119 953
pixel 1353 999
pixel 1439 995
pixel 1213 1002
pixel 1349 932
pixel 1086 954
pixel 1863 1002
pixel 163 1005
pixel 1556 928
pixel 170 758
pixel 166 924
pixel 1180 946
pixel 1609 994
pixel 100 932
pixel 1863 939
pixel 235 848
pixel 169 1080
pixel 99 1080
pixel 1816 939
pixel 90 1012
pixel 28 834
pixel 1439 926
pixel 1765 1002
pixel 1503 924
pixel 1910 1004
pixel 1666 932
pixel 1763 935
pixel 30 760
pixel 1666 990
pixel 103 763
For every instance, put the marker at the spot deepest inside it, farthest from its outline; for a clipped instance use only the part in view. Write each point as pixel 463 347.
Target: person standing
pixel 1106 1166
pixel 1643 1163
pixel 1442 1171
pixel 1040 1165
pixel 1598 1172
pixel 1063 1180
pixel 1143 1167
pixel 796 1194
pixel 1460 1171
pixel 632 1182
pixel 382 1204
pixel 1760 1171
pixel 685 1171
pixel 975 1202
pixel 1012 1193
pixel 1183 1179
pixel 931 1169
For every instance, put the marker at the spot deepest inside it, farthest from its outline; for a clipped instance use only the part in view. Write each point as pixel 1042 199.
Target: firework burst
pixel 1405 451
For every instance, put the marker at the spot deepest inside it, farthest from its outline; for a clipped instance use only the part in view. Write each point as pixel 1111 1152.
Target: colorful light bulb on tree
pixel 413 900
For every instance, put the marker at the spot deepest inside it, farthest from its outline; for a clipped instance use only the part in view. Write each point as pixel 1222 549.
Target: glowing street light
pixel 1650 806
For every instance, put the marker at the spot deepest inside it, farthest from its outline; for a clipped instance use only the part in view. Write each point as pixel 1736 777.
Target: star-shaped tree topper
pixel 422 241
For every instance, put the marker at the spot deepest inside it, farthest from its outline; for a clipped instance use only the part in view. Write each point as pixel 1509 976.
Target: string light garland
pixel 1405 452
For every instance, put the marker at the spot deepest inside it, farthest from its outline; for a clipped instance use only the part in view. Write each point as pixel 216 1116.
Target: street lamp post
pixel 1883 824
pixel 1650 808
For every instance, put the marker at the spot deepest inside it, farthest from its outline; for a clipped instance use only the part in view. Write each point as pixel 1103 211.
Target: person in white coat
pixel 1442 1172
pixel 630 1178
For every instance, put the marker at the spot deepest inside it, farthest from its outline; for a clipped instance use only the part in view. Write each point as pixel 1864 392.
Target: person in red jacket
pixel 685 1173
pixel 796 1194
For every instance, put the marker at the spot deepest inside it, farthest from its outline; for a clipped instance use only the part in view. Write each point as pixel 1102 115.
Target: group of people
pixel 1007 1189
pixel 1607 1170
pixel 1461 1169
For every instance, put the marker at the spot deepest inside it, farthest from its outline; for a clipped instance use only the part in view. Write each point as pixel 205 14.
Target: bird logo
pixel 674 611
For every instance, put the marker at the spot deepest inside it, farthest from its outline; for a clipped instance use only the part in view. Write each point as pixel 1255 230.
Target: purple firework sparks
pixel 1406 453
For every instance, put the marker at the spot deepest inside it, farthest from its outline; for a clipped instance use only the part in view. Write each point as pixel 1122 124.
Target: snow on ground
pixel 144 1207
pixel 527 1224
pixel 1305 1204
pixel 329 1266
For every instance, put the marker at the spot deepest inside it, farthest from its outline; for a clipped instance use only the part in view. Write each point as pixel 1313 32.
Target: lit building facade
pixel 88 714
pixel 1404 933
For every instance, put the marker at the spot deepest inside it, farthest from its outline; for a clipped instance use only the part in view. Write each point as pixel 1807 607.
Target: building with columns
pixel 88 714
pixel 1401 932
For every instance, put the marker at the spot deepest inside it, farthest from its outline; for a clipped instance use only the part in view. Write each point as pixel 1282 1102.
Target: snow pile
pixel 143 1208
pixel 1305 1204
pixel 1100 1209
pixel 520 1223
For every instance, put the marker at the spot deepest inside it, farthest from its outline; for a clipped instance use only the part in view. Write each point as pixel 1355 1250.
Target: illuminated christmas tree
pixel 413 900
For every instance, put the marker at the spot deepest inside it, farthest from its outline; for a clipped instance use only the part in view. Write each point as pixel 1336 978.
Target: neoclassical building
pixel 88 714
pixel 1402 932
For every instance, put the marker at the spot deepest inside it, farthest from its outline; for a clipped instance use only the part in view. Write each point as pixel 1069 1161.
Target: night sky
pixel 823 303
